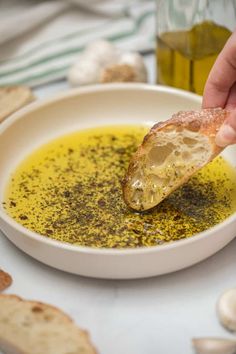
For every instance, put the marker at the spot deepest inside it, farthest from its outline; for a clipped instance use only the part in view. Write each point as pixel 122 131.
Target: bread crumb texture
pixel 170 154
pixel 13 98
pixel 29 327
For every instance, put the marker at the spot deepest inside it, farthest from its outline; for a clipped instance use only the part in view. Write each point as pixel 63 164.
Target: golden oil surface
pixel 185 58
pixel 70 190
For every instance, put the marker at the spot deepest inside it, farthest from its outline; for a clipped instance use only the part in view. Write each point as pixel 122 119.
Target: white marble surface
pixel 150 316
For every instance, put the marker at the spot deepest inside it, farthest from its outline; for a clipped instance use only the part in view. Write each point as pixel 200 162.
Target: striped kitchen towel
pixel 40 40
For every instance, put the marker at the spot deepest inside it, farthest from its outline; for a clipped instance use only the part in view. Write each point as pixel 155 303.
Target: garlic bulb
pixel 118 73
pixel 103 52
pixel 214 346
pixel 84 72
pixel 102 62
pixel 87 69
pixel 226 309
pixel 135 60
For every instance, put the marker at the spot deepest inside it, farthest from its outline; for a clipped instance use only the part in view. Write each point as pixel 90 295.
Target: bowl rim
pixel 93 250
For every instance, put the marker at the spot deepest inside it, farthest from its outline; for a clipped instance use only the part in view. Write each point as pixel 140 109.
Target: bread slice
pixel 170 154
pixel 5 280
pixel 29 327
pixel 13 98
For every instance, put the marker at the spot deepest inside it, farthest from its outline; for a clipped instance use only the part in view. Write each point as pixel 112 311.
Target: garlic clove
pixel 226 309
pixel 103 52
pixel 214 346
pixel 136 61
pixel 84 72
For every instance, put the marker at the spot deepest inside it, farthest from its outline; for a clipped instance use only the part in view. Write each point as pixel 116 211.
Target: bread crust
pixel 5 280
pixel 205 122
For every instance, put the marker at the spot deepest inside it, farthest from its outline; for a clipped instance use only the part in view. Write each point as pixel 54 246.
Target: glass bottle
pixel 190 35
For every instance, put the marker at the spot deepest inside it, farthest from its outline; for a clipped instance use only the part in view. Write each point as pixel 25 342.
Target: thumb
pixel 227 132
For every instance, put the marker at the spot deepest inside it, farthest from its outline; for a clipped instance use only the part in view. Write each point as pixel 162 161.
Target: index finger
pixel 222 76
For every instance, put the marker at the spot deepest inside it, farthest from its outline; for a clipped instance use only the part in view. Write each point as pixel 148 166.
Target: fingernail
pixel 225 136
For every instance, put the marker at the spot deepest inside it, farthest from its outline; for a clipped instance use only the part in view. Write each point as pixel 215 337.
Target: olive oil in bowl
pixel 70 190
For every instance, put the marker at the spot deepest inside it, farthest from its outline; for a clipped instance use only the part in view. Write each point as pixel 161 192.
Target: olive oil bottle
pixel 185 58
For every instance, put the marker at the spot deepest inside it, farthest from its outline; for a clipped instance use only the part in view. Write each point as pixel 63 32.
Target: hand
pixel 220 90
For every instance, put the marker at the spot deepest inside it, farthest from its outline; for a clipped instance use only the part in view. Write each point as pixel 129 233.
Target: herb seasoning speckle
pixel 70 190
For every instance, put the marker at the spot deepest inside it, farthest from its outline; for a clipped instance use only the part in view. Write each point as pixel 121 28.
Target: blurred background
pixel 75 42
pixel 40 40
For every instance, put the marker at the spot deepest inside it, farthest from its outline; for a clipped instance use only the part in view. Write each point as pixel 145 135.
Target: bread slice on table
pixel 29 327
pixel 13 98
pixel 5 280
pixel 170 154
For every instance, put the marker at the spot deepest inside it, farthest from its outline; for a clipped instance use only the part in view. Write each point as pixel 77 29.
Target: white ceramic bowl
pixel 89 107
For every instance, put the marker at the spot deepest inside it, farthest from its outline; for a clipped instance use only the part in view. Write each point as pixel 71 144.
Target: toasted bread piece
pixel 170 154
pixel 29 327
pixel 5 280
pixel 13 98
